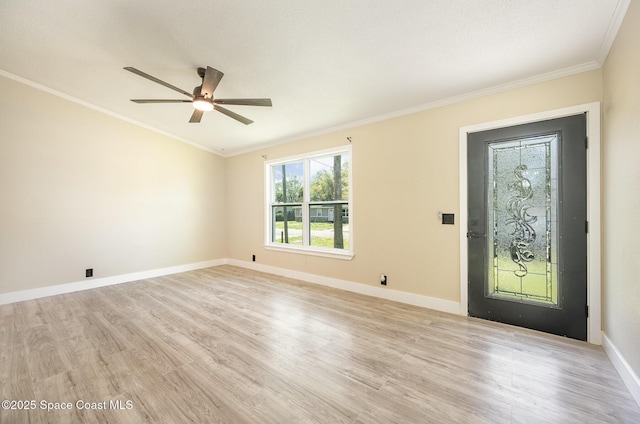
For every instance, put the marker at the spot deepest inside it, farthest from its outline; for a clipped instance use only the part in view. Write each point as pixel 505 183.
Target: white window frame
pixel 306 249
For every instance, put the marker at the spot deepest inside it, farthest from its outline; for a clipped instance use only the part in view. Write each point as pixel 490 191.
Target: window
pixel 308 203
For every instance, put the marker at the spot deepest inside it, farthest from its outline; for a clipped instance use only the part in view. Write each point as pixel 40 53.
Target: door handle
pixel 471 234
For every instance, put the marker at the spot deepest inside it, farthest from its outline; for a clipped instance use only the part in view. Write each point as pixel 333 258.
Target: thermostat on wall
pixel 448 218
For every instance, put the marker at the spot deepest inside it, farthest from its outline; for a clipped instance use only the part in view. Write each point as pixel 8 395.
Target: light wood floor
pixel 227 345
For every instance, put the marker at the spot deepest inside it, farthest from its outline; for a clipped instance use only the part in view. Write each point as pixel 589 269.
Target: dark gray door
pixel 527 229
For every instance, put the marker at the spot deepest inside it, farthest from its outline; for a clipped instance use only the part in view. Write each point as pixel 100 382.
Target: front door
pixel 527 229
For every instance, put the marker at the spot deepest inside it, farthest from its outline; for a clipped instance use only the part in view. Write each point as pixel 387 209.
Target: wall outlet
pixel 88 272
pixel 383 279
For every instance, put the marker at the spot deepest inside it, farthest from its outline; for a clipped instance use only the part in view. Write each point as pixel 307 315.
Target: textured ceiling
pixel 325 64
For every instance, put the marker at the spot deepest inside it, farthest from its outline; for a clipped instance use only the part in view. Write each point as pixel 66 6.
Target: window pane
pixel 329 226
pixel 522 204
pixel 287 182
pixel 329 178
pixel 289 230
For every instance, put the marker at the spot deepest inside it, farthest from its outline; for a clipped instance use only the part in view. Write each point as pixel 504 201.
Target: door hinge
pixel 586 227
pixel 586 142
pixel 586 310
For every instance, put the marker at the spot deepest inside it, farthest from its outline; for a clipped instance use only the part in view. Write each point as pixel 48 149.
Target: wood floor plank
pixel 228 345
pixel 42 352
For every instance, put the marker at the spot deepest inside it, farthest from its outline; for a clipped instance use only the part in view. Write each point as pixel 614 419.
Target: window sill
pixel 344 255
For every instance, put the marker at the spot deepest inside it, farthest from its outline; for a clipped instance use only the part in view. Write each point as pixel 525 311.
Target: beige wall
pixel 621 196
pixel 80 189
pixel 405 170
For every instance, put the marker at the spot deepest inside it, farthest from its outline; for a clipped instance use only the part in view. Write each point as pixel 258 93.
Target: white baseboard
pixel 19 296
pixel 627 374
pixel 380 292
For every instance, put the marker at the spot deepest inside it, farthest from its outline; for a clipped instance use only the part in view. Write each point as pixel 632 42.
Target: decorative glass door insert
pixel 522 197
pixel 526 226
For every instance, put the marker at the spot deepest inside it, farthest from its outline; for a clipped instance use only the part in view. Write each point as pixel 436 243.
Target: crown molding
pixel 612 30
pixel 572 70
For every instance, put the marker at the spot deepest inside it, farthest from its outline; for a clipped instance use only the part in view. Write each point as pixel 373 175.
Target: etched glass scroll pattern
pixel 522 220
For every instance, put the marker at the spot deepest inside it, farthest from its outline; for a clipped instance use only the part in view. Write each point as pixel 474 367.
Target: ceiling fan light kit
pixel 202 104
pixel 202 98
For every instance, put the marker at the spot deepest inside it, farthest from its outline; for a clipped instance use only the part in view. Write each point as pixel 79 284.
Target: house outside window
pixel 309 204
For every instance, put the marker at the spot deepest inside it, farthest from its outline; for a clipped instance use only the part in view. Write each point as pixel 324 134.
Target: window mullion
pixel 305 204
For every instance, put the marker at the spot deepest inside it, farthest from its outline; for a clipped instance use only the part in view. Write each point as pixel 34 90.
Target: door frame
pixel 594 323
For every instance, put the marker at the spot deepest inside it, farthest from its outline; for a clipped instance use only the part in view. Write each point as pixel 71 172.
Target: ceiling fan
pixel 202 98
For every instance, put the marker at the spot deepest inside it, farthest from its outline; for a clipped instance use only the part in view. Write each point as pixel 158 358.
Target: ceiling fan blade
pixel 196 117
pixel 210 81
pixel 233 115
pixel 156 80
pixel 245 102
pixel 160 101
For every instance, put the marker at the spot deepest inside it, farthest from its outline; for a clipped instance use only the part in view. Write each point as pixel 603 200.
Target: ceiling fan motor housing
pixel 197 91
